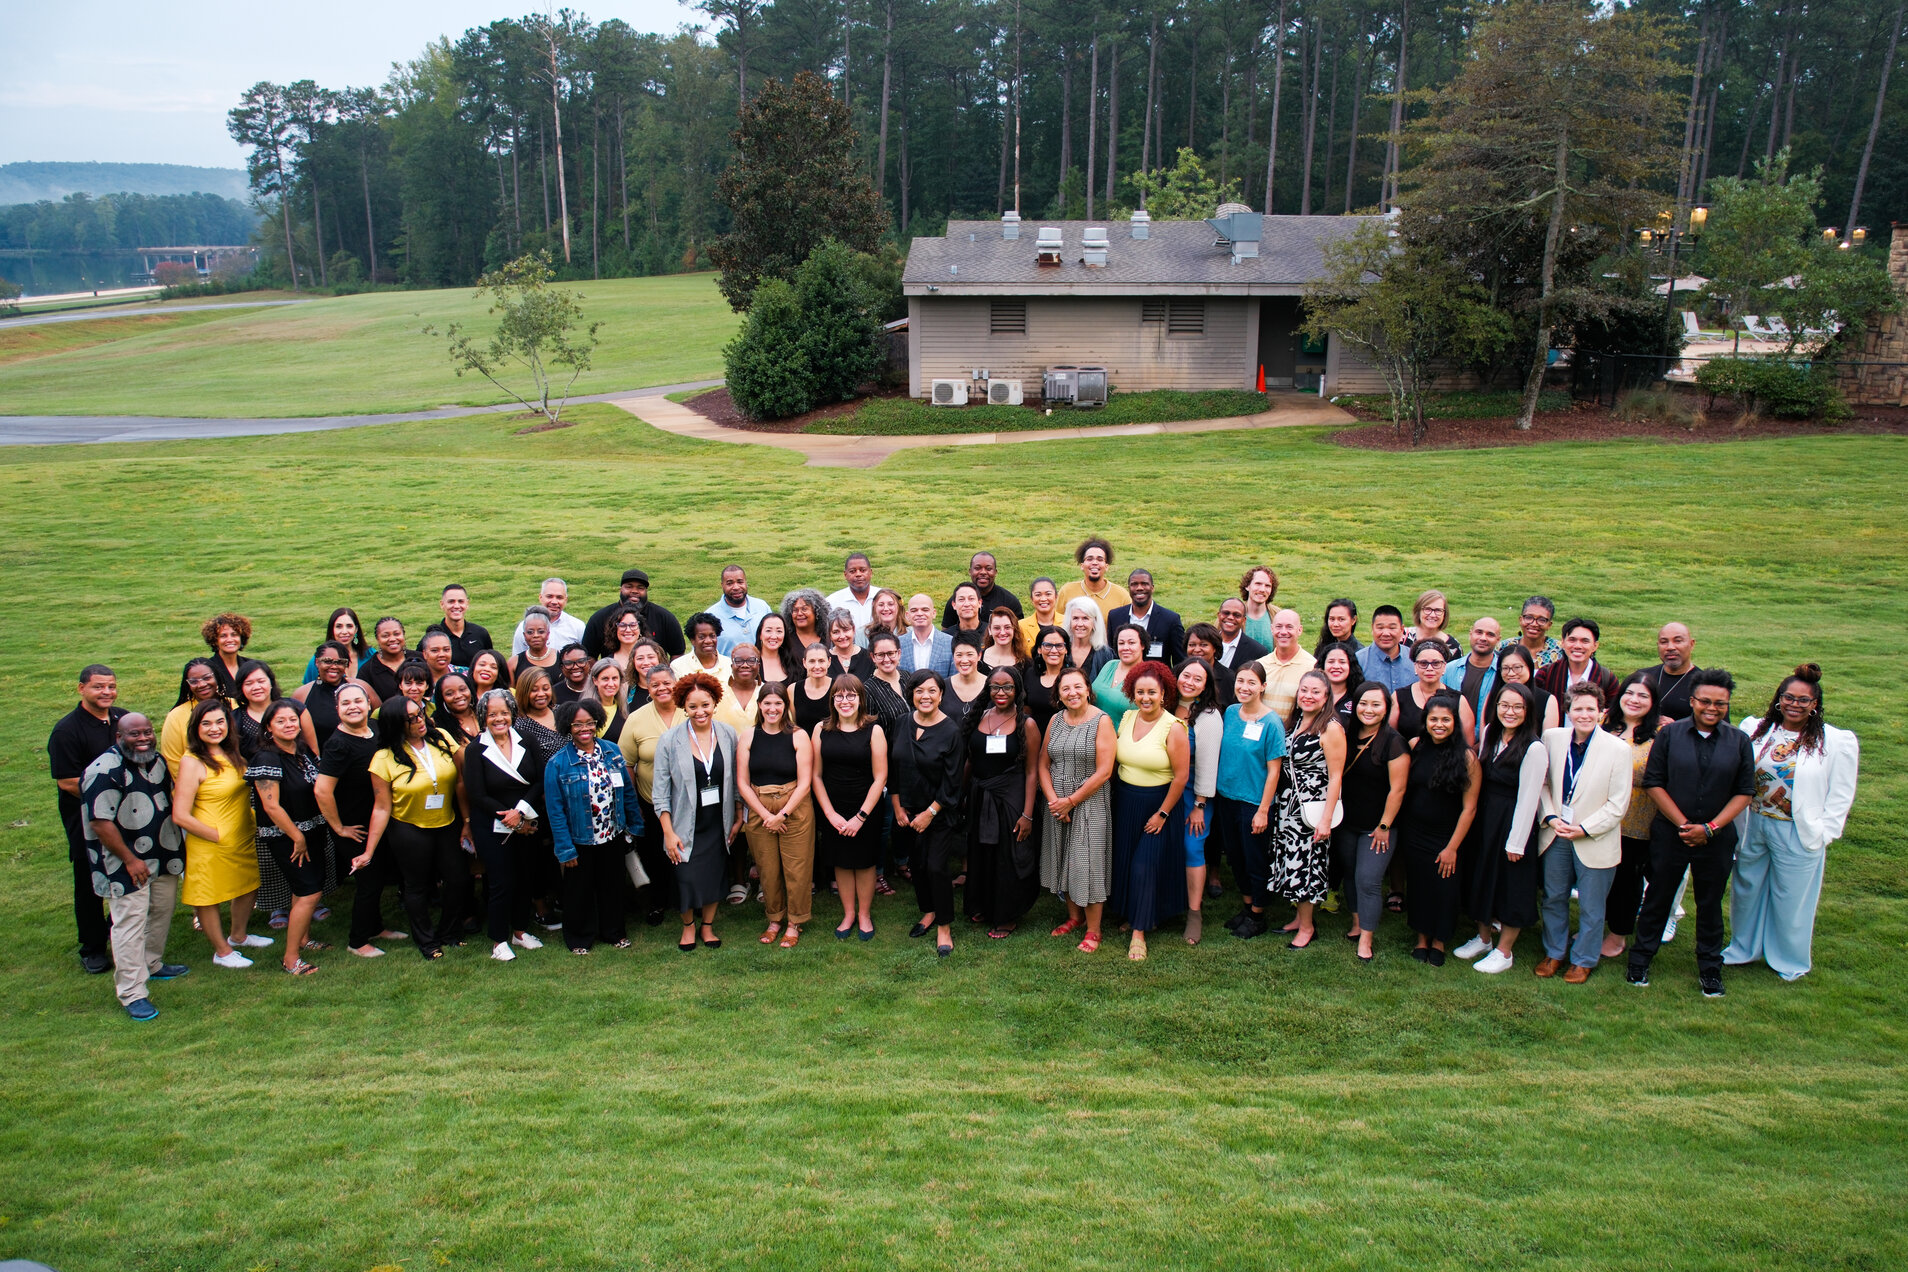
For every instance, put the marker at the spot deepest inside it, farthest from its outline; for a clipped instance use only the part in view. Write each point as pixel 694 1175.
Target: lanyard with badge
pixel 711 789
pixel 1572 764
pixel 1254 729
pixel 435 800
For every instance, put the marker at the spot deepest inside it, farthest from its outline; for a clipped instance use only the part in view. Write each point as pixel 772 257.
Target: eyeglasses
pixel 1796 700
pixel 1430 662
pixel 745 662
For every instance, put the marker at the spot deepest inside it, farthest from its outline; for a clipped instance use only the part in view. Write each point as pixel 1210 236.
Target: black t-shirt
pixel 1672 692
pixel 1368 777
pixel 997 596
pixel 382 679
pixel 295 775
pixel 463 648
pixel 77 740
pixel 347 758
pixel 1473 684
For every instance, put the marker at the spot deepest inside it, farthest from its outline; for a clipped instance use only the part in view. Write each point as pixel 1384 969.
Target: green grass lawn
pixel 890 416
pixel 1238 1106
pixel 358 354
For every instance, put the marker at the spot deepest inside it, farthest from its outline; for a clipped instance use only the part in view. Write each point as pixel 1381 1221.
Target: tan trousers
pixel 785 861
pixel 141 921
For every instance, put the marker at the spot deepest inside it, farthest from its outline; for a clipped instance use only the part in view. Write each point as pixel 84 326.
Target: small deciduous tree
pixel 537 333
pixel 1185 191
pixel 1410 308
pixel 767 366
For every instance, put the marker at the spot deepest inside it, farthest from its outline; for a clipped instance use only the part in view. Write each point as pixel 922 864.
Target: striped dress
pixel 1076 856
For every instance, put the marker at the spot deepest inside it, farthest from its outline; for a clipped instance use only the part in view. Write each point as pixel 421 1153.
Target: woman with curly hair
pixel 1154 763
pixel 807 613
pixel 224 635
pixel 694 793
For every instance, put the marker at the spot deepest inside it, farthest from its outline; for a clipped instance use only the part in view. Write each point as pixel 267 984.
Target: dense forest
pixel 80 223
pixel 603 144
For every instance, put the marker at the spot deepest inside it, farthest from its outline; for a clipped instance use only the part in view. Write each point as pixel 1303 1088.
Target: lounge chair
pixel 1752 324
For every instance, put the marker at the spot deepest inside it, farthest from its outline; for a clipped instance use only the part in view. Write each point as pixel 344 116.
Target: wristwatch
pixel 1382 826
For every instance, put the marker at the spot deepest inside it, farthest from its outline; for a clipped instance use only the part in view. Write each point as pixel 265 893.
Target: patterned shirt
pixel 138 799
pixel 602 796
pixel 1775 774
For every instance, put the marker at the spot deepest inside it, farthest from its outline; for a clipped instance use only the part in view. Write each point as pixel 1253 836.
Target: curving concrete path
pixel 829 451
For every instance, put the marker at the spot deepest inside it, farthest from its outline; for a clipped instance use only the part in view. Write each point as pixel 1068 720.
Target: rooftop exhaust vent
pixel 1047 247
pixel 1238 229
pixel 1010 226
pixel 1094 245
pixel 1142 224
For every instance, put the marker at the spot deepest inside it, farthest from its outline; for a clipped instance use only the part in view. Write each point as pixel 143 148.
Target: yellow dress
pixel 219 872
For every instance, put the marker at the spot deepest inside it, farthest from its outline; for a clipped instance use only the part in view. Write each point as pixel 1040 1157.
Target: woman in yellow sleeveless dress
pixel 212 803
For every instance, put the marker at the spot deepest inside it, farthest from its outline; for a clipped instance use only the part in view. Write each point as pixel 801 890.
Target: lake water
pixel 53 274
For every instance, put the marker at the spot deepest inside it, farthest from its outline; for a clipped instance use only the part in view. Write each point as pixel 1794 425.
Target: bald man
pixel 1286 663
pixel 1473 675
pixel 137 857
pixel 922 643
pixel 1677 648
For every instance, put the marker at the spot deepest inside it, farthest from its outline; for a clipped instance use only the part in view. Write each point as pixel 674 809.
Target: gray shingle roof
pixel 1178 257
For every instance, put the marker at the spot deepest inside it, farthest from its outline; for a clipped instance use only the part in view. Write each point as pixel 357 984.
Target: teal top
pixel 1242 759
pixel 1108 696
pixel 1260 628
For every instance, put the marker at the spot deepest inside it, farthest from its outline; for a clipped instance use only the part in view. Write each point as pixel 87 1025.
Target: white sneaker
pixel 234 959
pixel 502 952
pixel 253 941
pixel 1493 963
pixel 524 941
pixel 1669 929
pixel 1471 948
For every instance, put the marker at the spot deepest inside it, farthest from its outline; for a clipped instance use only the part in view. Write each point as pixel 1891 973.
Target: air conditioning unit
pixel 948 393
pixel 1003 393
pixel 1090 387
pixel 1058 384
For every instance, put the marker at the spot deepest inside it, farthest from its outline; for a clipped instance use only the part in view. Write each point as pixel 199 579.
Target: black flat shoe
pixel 1366 958
pixel 842 934
pixel 944 950
pixel 1422 953
pixel 689 948
pixel 920 930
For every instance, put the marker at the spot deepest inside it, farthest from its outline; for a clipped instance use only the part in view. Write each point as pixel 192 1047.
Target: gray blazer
pixel 674 790
pixel 940 658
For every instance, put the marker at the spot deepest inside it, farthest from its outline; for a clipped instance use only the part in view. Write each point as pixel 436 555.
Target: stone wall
pixel 1882 377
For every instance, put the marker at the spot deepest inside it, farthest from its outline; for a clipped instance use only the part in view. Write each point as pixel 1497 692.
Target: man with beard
pixel 1165 634
pixel 1094 556
pixel 136 855
pixel 1671 677
pixel 657 623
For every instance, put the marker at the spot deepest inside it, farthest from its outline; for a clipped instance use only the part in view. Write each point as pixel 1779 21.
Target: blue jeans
pixel 1562 871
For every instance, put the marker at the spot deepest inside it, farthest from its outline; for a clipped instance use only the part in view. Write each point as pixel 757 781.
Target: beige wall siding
pixel 1350 370
pixel 950 340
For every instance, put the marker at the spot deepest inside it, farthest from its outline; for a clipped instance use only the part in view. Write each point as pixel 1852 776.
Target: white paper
pixel 996 745
pixel 1254 730
pixel 498 826
pixel 1156 650
pixel 616 780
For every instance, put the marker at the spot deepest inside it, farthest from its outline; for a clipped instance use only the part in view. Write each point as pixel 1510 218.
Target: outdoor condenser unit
pixel 1090 387
pixel 1058 384
pixel 948 393
pixel 1003 393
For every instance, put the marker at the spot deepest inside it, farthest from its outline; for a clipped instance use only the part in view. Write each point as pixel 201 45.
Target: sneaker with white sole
pixel 253 941
pixel 502 952
pixel 234 959
pixel 1471 948
pixel 525 941
pixel 1494 962
pixel 1669 929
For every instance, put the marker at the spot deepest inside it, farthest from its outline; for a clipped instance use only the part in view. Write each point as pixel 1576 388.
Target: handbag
pixel 1312 809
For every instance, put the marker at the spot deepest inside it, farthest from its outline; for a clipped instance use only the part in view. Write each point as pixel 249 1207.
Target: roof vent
pixel 1010 225
pixel 1142 224
pixel 1239 229
pixel 1094 245
pixel 1047 248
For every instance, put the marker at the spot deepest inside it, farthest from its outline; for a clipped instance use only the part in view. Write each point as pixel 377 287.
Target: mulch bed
pixel 1592 423
pixel 716 405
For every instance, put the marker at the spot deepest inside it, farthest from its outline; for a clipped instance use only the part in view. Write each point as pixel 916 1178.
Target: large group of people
pixel 1093 745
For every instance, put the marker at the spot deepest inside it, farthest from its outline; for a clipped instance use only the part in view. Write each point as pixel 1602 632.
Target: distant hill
pixel 31 182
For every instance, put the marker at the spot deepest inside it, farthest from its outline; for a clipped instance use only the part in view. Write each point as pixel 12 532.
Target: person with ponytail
pixel 1805 784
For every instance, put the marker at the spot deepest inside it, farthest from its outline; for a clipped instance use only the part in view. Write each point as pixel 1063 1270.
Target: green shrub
pixel 767 367
pixel 1787 390
pixel 838 322
pixel 1665 405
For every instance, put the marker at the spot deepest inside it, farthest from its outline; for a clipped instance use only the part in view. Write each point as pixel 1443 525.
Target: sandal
pixel 315 945
pixel 1136 951
pixel 435 954
pixel 1000 933
pixel 738 894
pixel 1066 929
pixel 768 937
pixel 791 936
pixel 579 949
pixel 300 968
pixel 620 945
pixel 713 942
pixel 1394 902
pixel 882 887
pixel 1089 943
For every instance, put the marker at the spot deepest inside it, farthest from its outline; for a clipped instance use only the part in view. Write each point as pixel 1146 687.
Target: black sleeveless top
pixel 771 758
pixel 991 764
pixel 809 712
pixel 322 704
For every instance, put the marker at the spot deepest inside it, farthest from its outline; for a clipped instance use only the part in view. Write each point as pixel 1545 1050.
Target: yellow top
pixel 1030 628
pixel 1108 600
pixel 172 736
pixel 1144 762
pixel 219 872
pixel 414 791
pixel 1282 679
pixel 638 743
pixel 732 713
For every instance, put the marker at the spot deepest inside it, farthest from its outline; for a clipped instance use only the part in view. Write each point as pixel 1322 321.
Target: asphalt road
pixel 129 311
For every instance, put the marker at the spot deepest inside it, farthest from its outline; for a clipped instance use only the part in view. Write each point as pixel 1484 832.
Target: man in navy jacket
pixel 1165 635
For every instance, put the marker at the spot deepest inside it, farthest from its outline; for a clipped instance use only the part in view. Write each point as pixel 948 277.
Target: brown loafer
pixel 1548 967
pixel 1577 974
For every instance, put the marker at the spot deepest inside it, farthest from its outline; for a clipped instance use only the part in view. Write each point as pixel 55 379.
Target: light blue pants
pixel 1562 871
pixel 1773 896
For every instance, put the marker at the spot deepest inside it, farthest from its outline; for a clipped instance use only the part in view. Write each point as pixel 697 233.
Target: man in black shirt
pixel 1701 774
pixel 659 623
pixel 981 569
pixel 83 735
pixel 1672 677
pixel 467 639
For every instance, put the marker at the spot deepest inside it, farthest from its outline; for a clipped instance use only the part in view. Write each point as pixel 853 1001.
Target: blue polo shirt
pixel 738 625
pixel 1393 673
pixel 1242 759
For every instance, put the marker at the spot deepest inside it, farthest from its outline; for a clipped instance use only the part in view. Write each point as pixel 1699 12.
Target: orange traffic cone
pixel 1262 377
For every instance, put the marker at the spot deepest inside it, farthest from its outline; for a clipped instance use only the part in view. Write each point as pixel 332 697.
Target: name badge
pixel 433 801
pixel 1255 730
pixel 711 796
pixel 616 780
pixel 996 745
pixel 1156 650
pixel 498 826
pixel 1567 814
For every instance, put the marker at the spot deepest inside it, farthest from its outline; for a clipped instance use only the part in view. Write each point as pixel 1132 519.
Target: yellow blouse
pixel 1144 761
pixel 638 742
pixel 422 796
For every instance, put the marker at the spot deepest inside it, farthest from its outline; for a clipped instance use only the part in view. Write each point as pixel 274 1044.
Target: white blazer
pixel 1824 785
pixel 1603 794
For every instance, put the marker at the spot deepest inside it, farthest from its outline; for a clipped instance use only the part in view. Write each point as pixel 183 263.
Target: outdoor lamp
pixel 1828 235
pixel 1859 234
pixel 1643 236
pixel 1698 217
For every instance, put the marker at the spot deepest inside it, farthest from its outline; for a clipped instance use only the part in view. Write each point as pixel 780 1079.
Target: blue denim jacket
pixel 566 789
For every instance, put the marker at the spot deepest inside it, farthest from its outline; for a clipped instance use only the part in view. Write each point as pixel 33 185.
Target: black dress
pixel 701 880
pixel 1042 702
pixel 322 705
pixel 1497 889
pixel 1425 825
pixel 1002 871
pixel 1410 714
pixel 810 712
pixel 847 773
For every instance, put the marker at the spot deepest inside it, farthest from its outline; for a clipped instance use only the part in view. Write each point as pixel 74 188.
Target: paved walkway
pixel 135 311
pixel 51 430
pixel 828 451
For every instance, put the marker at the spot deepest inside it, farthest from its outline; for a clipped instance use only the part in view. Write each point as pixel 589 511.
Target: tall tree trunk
pixel 1687 168
pixel 622 168
pixel 1006 127
pixel 887 73
pixel 1147 158
pixel 1093 120
pixel 543 170
pixel 596 185
pixel 1331 129
pixel 1112 119
pixel 1361 84
pixel 847 55
pixel 516 189
pixel 1311 113
pixel 1192 84
pixel 318 232
pixel 1781 78
pixel 1225 117
pixel 1016 107
pixel 1278 82
pixel 906 173
pixel 1396 149
pixel 1540 360
pixel 1066 126
pixel 1874 124
pixel 285 208
pixel 556 111
pixel 370 234
pixel 1252 95
pixel 1748 131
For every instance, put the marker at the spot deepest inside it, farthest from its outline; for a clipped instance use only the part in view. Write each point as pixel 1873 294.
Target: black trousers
pixel 930 857
pixel 428 858
pixel 661 892
pixel 1431 900
pixel 1626 890
pixel 1708 867
pixel 367 899
pixel 593 895
pixel 1245 851
pixel 89 912
pixel 507 873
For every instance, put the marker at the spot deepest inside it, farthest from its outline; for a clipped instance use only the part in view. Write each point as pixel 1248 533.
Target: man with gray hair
pixel 137 857
pixel 565 629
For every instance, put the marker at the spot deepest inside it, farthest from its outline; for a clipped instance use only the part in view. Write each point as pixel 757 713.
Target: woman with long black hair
pixel 416 812
pixel 344 628
pixel 284 775
pixel 1440 804
pixel 1635 719
pixel 1003 856
pixel 1499 871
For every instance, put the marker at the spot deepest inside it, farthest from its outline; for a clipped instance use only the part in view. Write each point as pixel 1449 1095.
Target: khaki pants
pixel 786 861
pixel 141 921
